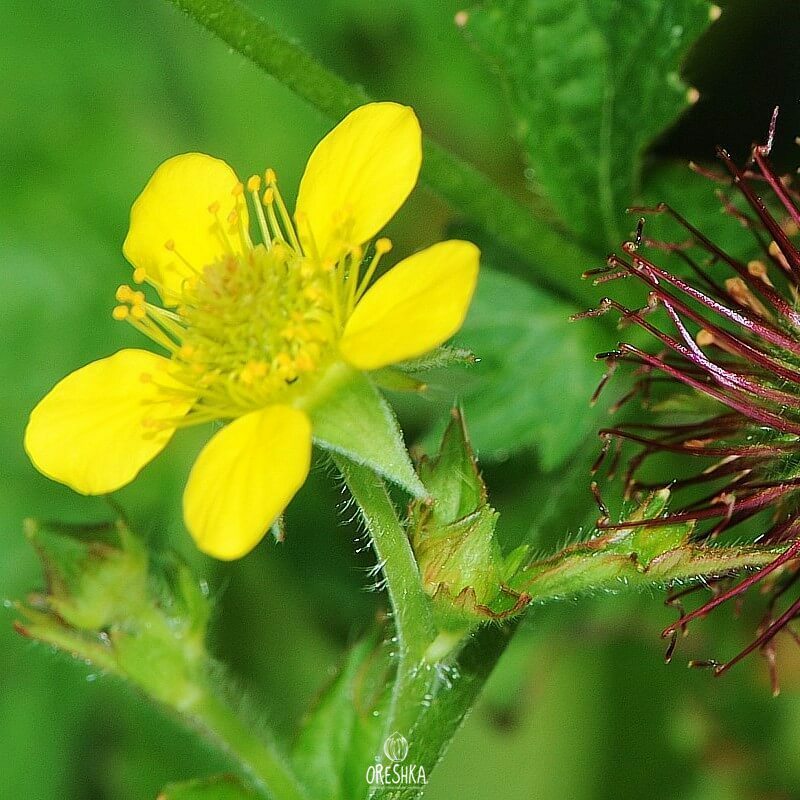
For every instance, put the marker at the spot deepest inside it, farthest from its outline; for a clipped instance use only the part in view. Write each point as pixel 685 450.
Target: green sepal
pixel 642 555
pixel 395 380
pixel 440 358
pixel 93 573
pixel 646 542
pixel 356 421
pixel 220 787
pixel 452 478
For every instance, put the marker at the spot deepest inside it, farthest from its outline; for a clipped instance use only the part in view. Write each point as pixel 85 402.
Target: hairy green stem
pixel 266 768
pixel 557 260
pixel 411 607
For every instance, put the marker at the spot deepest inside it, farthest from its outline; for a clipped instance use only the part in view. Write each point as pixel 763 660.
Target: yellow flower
pixel 260 335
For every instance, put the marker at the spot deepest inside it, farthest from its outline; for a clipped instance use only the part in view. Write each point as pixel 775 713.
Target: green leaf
pixel 536 373
pixel 222 787
pixel 342 735
pixel 355 421
pixel 591 84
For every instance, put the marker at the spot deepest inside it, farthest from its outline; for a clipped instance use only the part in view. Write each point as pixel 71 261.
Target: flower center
pixel 255 327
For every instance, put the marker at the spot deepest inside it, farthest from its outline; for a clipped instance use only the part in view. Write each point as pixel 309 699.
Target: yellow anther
pixel 246 375
pixel 307 270
pixel 758 269
pixel 145 377
pixel 214 208
pixel 269 196
pixel 233 216
pixel 238 189
pixel 313 293
pixel 283 365
pixel 357 253
pixel 704 338
pixel 137 298
pixel 741 293
pixel 139 275
pixel 186 351
pixel 124 293
pixel 304 362
pixel 383 245
pixel 314 351
pixel 169 244
pixel 778 255
pixel 120 312
pixel 253 183
pixel 270 177
pixel 138 312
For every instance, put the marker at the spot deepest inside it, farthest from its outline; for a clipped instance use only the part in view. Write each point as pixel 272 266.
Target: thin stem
pixel 266 768
pixel 410 605
pixel 558 260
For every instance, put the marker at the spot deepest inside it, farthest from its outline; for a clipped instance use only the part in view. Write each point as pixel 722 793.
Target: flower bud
pixel 106 604
pixel 453 537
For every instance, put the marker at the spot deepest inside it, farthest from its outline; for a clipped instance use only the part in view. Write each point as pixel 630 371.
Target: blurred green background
pixel 582 706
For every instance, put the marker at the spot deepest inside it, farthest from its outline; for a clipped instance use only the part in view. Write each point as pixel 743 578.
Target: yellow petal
pixel 244 478
pixel 358 176
pixel 94 430
pixel 181 221
pixel 415 307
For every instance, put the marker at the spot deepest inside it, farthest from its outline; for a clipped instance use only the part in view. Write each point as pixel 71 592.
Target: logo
pixel 396 747
pixel 396 772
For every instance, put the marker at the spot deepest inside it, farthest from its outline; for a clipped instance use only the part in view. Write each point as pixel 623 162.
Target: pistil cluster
pixel 725 372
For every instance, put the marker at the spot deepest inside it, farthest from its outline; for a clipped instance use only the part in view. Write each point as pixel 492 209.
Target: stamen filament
pixel 269 203
pixel 272 181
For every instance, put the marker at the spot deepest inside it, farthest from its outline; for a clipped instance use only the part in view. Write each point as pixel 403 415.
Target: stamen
pixel 274 225
pixel 382 246
pixel 739 291
pixel 254 187
pixel 349 270
pixel 170 245
pixel 223 235
pixel 123 294
pixel 283 213
pixel 758 269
